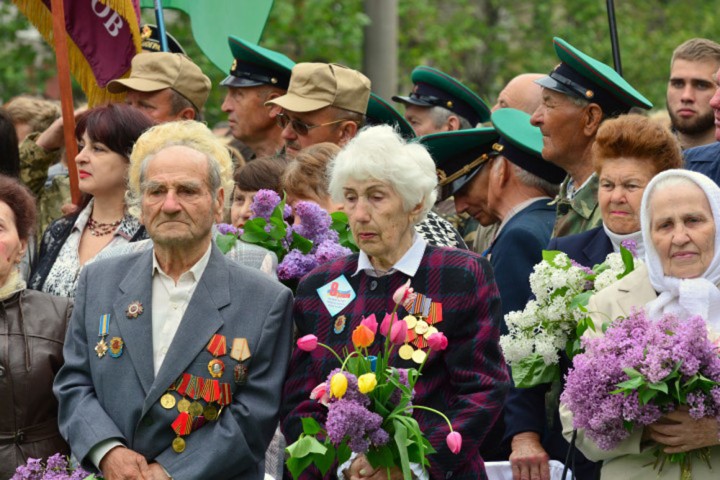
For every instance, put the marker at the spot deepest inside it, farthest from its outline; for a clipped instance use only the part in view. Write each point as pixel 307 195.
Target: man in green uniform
pixel 577 96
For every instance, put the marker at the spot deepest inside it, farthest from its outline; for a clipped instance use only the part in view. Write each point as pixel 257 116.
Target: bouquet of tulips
pixel 369 402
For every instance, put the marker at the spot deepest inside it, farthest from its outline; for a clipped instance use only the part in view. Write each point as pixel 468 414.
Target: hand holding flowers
pixel 369 404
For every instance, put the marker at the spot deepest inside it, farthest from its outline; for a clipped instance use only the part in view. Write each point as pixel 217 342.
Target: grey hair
pixel 532 180
pixel 178 103
pixel 380 153
pixel 440 115
pixel 580 102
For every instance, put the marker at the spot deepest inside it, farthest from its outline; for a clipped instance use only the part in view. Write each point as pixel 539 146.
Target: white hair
pixel 379 153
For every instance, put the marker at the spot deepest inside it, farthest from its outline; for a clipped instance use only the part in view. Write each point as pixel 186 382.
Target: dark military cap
pixel 459 155
pixel 522 144
pixel 434 88
pixel 255 65
pixel 380 112
pixel 581 76
pixel 150 40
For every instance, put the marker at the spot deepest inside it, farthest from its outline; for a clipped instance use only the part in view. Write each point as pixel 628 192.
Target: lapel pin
pixel 134 310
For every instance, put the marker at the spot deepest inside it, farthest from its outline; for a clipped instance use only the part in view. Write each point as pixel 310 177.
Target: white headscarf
pixel 691 296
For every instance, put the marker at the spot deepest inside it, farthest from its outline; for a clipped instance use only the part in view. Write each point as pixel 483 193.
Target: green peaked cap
pixel 521 143
pixel 459 155
pixel 579 75
pixel 433 88
pixel 254 65
pixel 380 112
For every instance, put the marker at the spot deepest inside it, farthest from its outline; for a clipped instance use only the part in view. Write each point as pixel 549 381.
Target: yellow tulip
pixel 367 383
pixel 338 385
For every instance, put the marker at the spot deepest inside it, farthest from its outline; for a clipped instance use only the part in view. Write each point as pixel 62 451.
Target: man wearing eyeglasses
pixel 257 75
pixel 324 103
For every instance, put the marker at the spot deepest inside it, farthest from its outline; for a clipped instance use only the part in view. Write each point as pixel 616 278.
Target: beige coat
pixel 630 460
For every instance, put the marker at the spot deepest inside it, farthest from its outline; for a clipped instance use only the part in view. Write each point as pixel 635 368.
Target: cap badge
pixel 449 104
pixel 273 80
pixel 233 67
pixel 498 147
pixel 146 32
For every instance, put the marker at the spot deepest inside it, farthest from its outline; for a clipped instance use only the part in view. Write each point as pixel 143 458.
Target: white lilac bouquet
pixel 640 370
pixel 557 317
pixel 57 467
pixel 317 237
pixel 369 402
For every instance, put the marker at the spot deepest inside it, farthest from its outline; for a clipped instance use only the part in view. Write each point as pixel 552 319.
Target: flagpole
pixel 614 36
pixel 66 97
pixel 160 20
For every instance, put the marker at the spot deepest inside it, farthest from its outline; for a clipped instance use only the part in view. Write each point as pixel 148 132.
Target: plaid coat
pixel 468 381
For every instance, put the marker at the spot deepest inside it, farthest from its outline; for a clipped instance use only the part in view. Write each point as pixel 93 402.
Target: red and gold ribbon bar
pixel 217 346
pixel 211 390
pixel 182 424
pixel 182 387
pixel 225 394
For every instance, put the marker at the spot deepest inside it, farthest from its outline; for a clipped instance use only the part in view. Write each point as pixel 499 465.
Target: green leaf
pixel 549 255
pixel 628 261
pixel 401 442
pixel 631 372
pixel 310 426
pixel 225 242
pixel 632 384
pixel 660 387
pixel 324 462
pixel 301 243
pixel 298 465
pixel 581 299
pixel 381 457
pixel 343 453
pixel 645 396
pixel 304 446
pixel 531 371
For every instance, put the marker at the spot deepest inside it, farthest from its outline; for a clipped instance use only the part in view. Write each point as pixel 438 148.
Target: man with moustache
pixel 690 88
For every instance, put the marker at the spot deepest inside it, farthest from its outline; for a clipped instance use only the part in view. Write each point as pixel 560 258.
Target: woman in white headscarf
pixel 680 215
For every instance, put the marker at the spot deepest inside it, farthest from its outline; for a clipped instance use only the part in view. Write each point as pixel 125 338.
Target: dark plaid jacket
pixel 468 381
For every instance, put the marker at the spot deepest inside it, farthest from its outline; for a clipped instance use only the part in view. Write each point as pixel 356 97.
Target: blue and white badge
pixel 336 295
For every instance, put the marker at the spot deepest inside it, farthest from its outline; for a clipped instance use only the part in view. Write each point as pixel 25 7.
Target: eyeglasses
pixel 299 127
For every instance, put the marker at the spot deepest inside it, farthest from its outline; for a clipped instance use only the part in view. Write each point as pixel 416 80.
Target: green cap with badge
pixel 254 65
pixel 522 144
pixel 459 155
pixel 380 112
pixel 581 76
pixel 433 88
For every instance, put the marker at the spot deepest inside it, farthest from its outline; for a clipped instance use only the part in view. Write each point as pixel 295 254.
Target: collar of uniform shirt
pixel 572 191
pixel 408 264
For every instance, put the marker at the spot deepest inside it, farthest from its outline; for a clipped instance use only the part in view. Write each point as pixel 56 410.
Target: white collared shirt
pixel 169 302
pixel 408 263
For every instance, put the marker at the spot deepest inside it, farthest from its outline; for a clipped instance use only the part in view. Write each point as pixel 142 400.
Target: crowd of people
pixel 129 341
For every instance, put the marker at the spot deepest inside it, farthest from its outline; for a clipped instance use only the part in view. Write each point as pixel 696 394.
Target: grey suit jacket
pixel 118 398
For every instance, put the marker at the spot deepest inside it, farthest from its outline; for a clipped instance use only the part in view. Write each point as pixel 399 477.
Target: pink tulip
pixel 404 293
pixel 437 341
pixel 398 333
pixel 308 343
pixel 370 323
pixel 320 393
pixel 454 442
pixel 385 325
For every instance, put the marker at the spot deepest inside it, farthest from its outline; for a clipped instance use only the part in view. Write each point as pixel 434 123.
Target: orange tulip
pixel 362 336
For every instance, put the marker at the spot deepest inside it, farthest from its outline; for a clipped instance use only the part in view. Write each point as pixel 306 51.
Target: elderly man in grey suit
pixel 175 356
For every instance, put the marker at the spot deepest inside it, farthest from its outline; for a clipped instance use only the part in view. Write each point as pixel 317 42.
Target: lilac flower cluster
pixel 349 417
pixel 264 203
pixel 56 468
pixel 654 349
pixel 631 246
pixel 314 222
pixel 226 228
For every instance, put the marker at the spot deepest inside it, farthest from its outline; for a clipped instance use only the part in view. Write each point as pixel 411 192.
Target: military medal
pixel 411 321
pixel 210 413
pixel 418 356
pixel 195 409
pixel 182 426
pixel 339 325
pixel 240 350
pixel 134 310
pixel 217 345
pixel 183 405
pixel 116 347
pixel 216 367
pixel 167 401
pixel 240 373
pixel 101 348
pixel 210 390
pixel 406 352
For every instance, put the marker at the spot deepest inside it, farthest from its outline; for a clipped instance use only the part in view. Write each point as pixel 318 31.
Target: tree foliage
pixel 482 42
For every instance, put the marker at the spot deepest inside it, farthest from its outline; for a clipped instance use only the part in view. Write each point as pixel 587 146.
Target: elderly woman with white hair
pixel 386 186
pixel 680 216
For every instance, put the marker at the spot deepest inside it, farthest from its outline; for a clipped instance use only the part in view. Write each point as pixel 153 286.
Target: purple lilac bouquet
pixel 640 370
pixel 316 237
pixel 56 467
pixel 369 402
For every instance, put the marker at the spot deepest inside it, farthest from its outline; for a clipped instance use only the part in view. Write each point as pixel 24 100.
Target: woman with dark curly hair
pixel 106 136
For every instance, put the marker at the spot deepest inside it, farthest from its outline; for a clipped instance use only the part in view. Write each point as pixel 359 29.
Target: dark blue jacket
pixel 525 407
pixel 704 159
